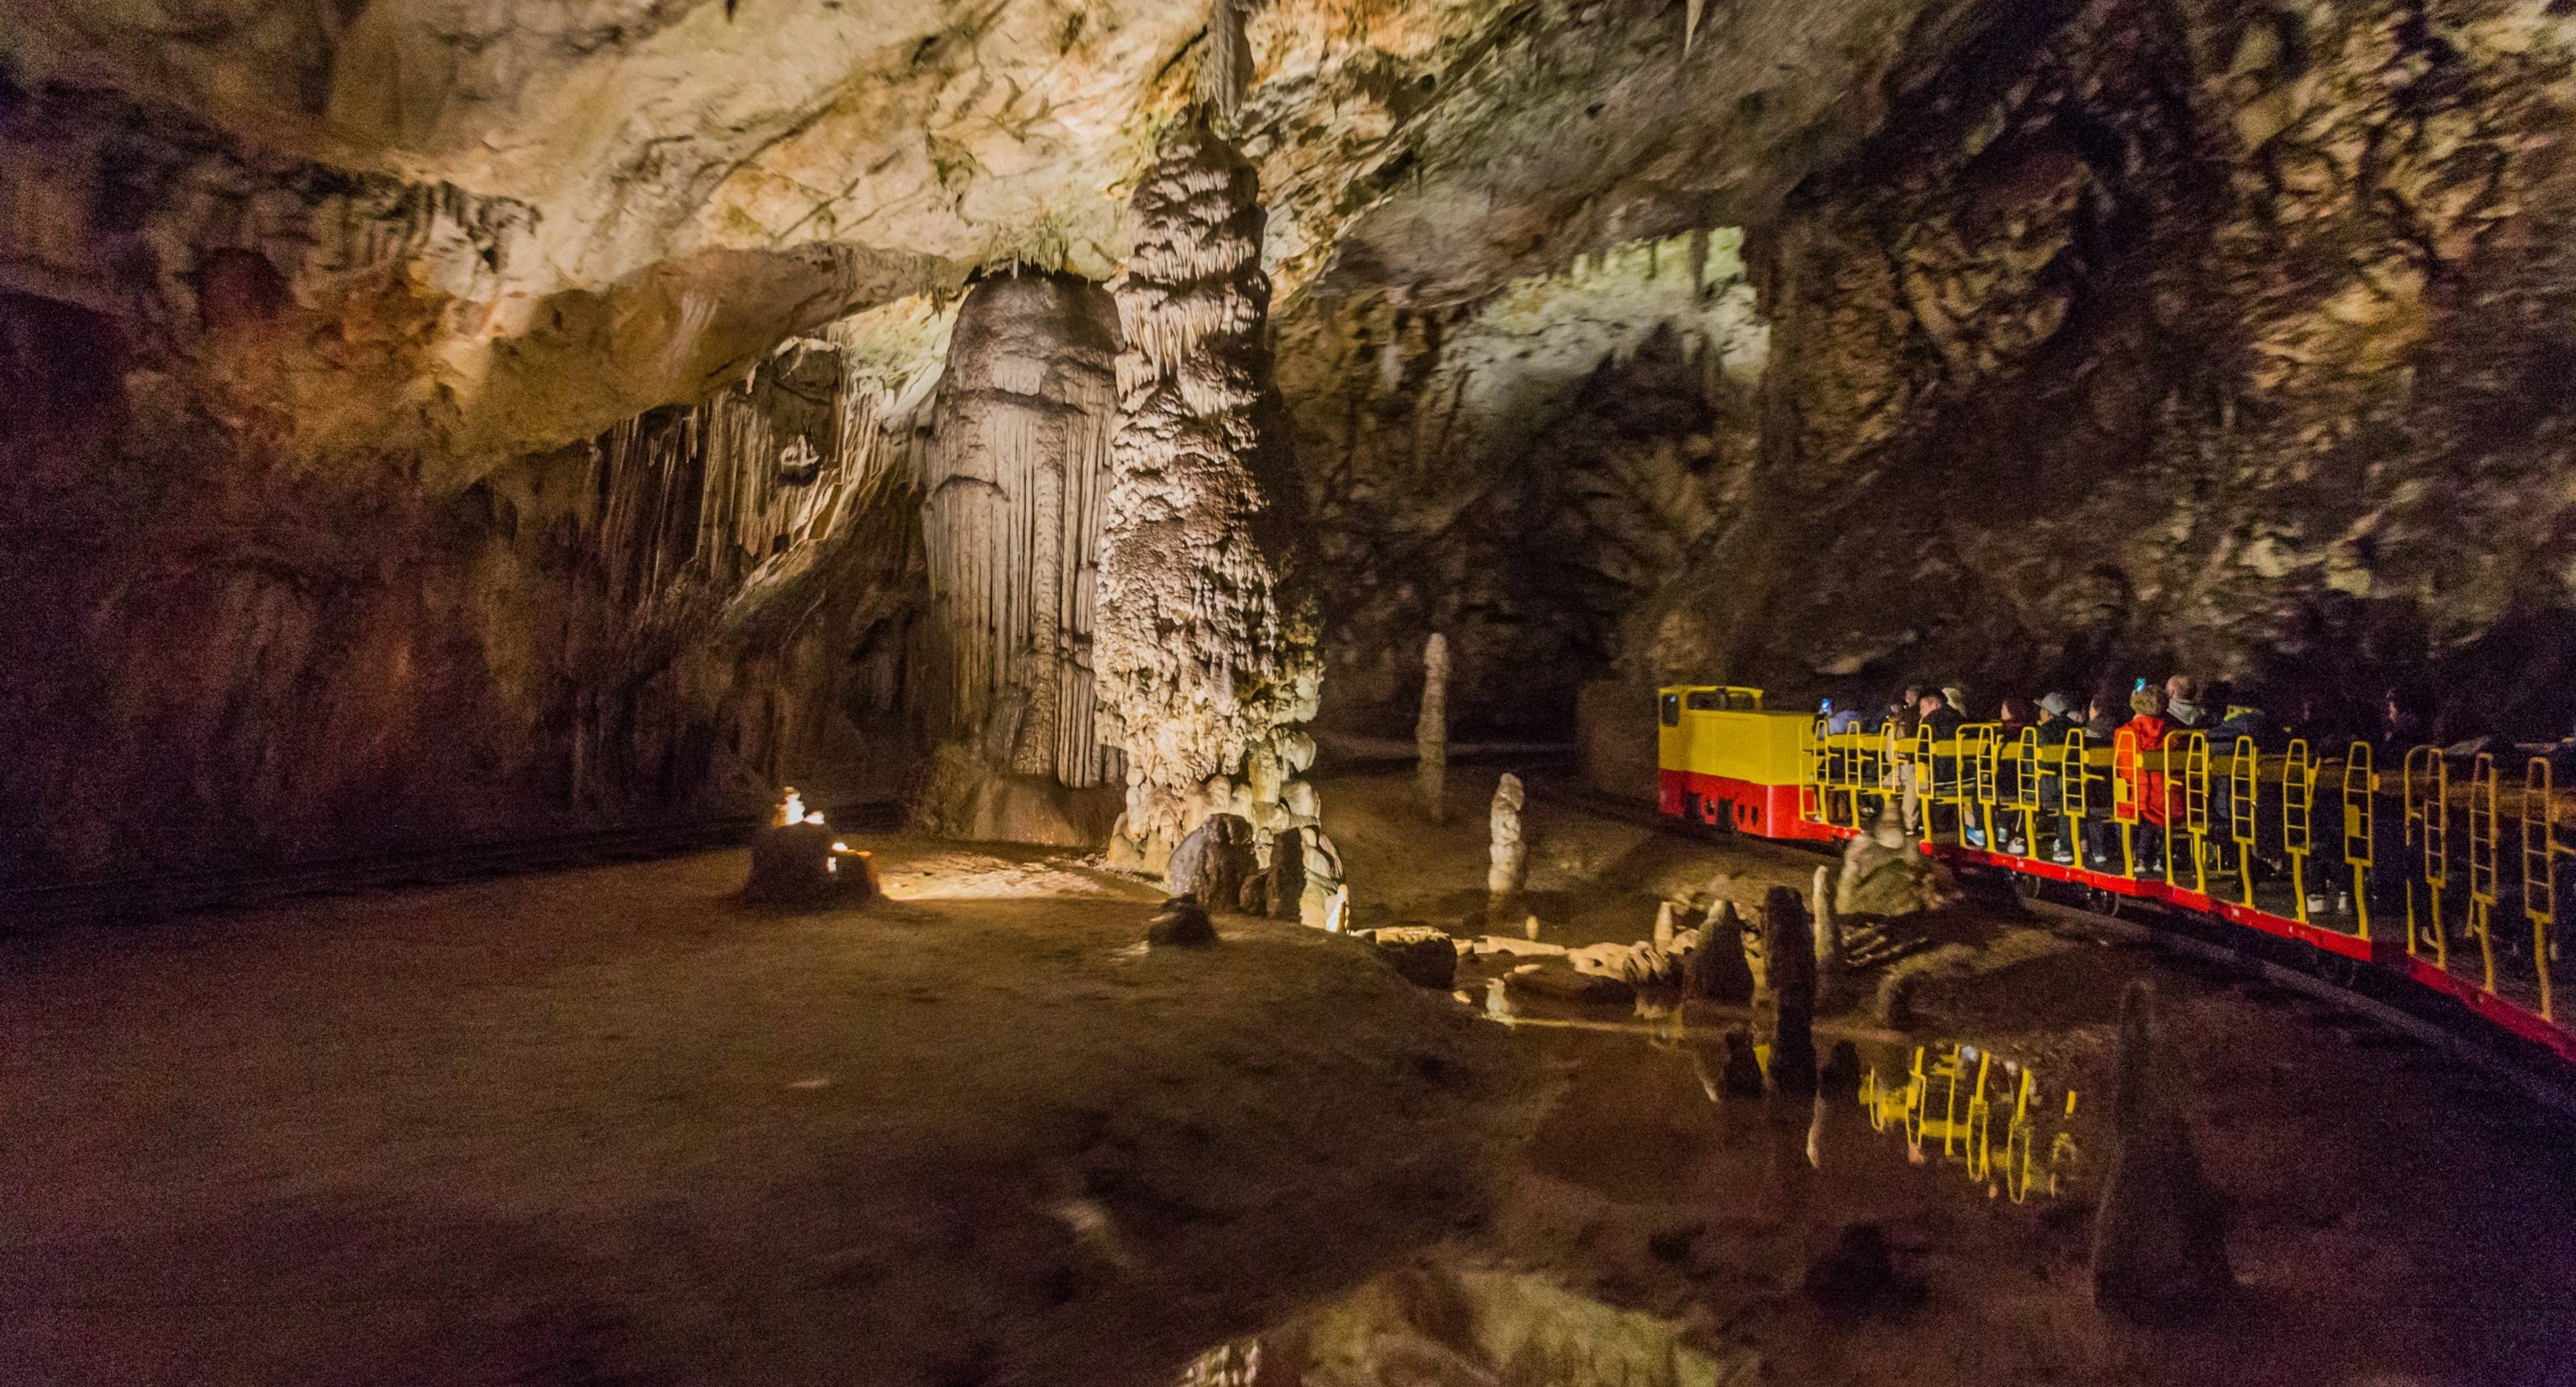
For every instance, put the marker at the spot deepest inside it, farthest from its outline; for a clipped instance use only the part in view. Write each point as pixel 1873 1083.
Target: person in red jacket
pixel 2147 706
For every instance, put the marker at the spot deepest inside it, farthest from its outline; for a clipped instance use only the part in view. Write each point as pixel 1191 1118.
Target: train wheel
pixel 2101 902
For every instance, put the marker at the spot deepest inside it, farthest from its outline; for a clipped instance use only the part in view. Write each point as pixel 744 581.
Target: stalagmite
pixel 1509 855
pixel 2160 1236
pixel 1431 731
pixel 1204 670
pixel 1788 1006
pixel 1012 493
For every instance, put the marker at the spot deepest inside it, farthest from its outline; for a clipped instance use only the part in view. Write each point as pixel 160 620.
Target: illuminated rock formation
pixel 1012 491
pixel 1431 731
pixel 1204 672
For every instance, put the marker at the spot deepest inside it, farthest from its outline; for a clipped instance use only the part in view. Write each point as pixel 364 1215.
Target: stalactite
pixel 1012 488
pixel 1226 77
pixel 1204 672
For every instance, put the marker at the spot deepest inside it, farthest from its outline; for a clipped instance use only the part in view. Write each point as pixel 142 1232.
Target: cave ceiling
pixel 645 152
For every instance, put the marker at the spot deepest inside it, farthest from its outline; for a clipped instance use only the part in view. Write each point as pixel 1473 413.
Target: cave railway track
pixel 154 896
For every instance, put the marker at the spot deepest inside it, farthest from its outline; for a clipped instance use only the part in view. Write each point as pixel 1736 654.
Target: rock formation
pixel 1431 731
pixel 1012 490
pixel 1204 673
pixel 1180 923
pixel 2160 1236
pixel 1214 861
pixel 1716 969
pixel 1785 1010
pixel 1508 855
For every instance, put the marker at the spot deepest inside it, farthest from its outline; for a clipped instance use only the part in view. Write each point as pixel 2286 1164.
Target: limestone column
pixel 1204 671
pixel 1012 492
pixel 1431 731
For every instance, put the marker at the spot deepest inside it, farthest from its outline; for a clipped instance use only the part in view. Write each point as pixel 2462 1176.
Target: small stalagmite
pixel 2160 1236
pixel 1787 1008
pixel 1431 731
pixel 1716 971
pixel 1509 855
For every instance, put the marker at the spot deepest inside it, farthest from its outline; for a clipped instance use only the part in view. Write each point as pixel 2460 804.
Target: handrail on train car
pixel 1987 778
pixel 2436 838
pixel 2026 790
pixel 2360 818
pixel 2244 797
pixel 2195 809
pixel 1815 745
pixel 2298 810
pixel 2483 892
pixel 1927 787
pixel 2540 853
pixel 2125 785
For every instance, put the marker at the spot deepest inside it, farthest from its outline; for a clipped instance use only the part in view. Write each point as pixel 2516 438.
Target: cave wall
pixel 1517 472
pixel 218 655
pixel 2226 337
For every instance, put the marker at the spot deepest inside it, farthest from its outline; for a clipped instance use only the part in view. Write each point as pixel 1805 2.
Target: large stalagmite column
pixel 1204 671
pixel 1011 515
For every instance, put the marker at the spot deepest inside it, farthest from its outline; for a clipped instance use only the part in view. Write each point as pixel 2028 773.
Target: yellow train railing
pixel 2207 800
pixel 2359 819
pixel 2540 852
pixel 2483 887
pixel 1815 745
pixel 2244 798
pixel 2298 806
pixel 2025 798
pixel 2194 802
pixel 2075 792
pixel 2126 783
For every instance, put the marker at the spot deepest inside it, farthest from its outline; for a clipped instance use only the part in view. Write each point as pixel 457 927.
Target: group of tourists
pixel 2151 713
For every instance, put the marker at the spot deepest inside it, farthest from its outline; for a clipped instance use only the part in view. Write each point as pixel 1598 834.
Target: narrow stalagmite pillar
pixel 2160 1236
pixel 1788 1005
pixel 1204 670
pixel 1431 731
pixel 1509 856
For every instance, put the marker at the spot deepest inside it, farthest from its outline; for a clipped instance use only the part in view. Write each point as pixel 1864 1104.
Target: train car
pixel 1724 760
pixel 2448 881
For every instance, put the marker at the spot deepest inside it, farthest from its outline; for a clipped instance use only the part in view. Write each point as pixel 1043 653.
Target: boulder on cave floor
pixel 1181 923
pixel 1214 861
pixel 1424 956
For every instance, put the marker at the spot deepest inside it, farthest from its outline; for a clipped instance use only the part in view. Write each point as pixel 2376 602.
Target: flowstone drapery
pixel 1011 508
pixel 1203 669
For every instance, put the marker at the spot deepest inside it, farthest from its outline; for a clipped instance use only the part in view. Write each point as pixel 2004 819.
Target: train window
pixel 1672 709
pixel 1708 701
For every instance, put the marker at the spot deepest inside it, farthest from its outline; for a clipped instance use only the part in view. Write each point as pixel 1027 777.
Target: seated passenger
pixel 2245 720
pixel 2182 702
pixel 2104 714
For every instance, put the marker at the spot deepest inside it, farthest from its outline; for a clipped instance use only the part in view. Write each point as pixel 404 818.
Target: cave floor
pixel 608 1126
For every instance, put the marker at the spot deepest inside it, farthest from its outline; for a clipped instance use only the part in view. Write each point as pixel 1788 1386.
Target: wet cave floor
pixel 609 1126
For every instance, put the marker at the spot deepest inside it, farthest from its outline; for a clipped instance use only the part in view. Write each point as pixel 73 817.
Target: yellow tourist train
pixel 2440 870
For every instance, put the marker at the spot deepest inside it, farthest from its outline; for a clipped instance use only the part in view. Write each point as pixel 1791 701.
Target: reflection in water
pixel 1442 1325
pixel 1955 1079
pixel 1745 1191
